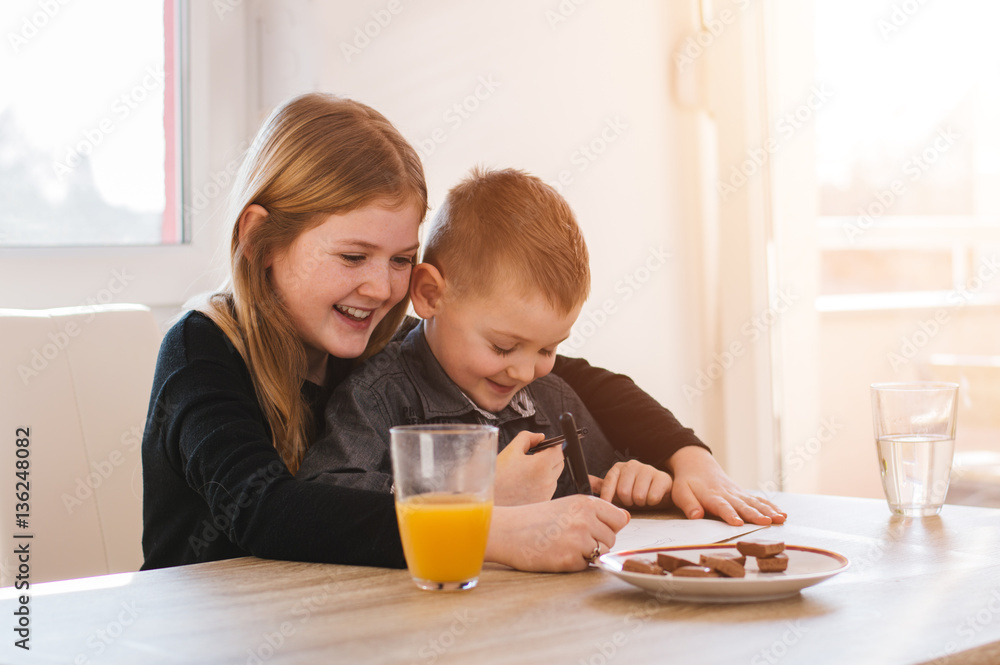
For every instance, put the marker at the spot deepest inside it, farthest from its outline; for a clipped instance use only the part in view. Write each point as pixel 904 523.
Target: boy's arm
pixel 354 449
pixel 636 424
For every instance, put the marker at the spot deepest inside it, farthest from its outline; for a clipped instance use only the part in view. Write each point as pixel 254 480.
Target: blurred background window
pixel 907 174
pixel 908 153
pixel 89 146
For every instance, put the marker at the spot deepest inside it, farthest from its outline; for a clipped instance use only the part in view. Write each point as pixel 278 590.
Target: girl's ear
pixel 251 217
pixel 427 287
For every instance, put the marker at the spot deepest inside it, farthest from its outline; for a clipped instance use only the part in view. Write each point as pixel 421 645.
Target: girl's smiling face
pixel 339 279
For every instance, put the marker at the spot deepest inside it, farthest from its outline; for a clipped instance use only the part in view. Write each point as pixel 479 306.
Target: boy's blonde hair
pixel 508 229
pixel 314 156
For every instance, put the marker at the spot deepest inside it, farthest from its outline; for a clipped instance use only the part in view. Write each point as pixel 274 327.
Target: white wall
pixel 533 83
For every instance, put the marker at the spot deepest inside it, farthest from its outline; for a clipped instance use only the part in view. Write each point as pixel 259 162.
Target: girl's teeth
pixel 355 313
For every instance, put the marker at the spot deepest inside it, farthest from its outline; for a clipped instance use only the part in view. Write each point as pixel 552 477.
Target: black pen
pixel 555 441
pixel 574 455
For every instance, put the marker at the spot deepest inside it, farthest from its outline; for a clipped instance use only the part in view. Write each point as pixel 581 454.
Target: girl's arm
pixel 554 536
pixel 214 485
pixel 642 429
pixel 635 423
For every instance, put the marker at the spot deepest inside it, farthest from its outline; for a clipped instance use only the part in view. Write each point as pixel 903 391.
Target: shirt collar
pixel 521 404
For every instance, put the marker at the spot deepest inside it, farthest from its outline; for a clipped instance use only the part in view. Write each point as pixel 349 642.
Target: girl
pixel 327 208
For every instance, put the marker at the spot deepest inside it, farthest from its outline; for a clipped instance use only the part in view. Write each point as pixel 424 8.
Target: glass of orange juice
pixel 443 482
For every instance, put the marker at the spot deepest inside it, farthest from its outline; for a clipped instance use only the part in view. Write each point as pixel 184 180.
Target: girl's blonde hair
pixel 314 156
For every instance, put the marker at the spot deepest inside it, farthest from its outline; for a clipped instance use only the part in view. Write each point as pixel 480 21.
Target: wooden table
pixel 917 590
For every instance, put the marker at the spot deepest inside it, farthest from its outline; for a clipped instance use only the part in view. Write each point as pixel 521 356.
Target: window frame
pixel 213 125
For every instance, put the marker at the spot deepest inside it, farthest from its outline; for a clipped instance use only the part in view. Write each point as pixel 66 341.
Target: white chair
pixel 75 383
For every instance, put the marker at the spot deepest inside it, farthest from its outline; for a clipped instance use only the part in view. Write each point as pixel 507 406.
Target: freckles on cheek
pixel 289 276
pixel 543 370
pixel 400 286
pixel 489 366
pixel 297 279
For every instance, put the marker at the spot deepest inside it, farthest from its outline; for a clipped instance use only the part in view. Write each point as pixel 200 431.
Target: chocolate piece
pixel 695 571
pixel 641 566
pixel 735 556
pixel 760 548
pixel 772 564
pixel 670 563
pixel 726 566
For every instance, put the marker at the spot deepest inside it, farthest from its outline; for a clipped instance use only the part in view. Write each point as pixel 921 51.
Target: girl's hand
pixel 523 478
pixel 554 536
pixel 701 486
pixel 634 484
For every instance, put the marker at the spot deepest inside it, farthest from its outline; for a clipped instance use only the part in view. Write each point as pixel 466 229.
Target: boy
pixel 504 277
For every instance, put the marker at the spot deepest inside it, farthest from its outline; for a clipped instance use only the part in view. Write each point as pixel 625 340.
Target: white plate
pixel 806 566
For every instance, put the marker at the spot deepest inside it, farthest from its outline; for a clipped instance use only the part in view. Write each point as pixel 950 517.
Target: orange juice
pixel 444 535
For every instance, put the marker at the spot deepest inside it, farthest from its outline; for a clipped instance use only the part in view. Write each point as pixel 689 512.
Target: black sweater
pixel 215 488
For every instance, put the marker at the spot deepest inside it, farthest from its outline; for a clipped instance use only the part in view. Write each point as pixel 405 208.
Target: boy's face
pixel 492 347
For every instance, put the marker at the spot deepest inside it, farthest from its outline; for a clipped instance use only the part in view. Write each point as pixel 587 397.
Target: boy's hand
pixel 635 484
pixel 523 478
pixel 700 486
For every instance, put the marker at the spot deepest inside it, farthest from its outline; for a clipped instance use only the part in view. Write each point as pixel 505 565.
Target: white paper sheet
pixel 642 533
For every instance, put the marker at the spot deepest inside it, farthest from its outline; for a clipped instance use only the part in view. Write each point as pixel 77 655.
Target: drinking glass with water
pixel 915 439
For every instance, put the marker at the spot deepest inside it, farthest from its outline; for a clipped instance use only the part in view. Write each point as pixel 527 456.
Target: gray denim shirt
pixel 405 385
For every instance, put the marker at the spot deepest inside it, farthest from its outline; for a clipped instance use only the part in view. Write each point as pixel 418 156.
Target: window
pixel 886 221
pixel 906 152
pixel 166 262
pixel 88 124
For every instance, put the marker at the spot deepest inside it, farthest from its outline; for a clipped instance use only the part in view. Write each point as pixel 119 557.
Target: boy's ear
pixel 251 217
pixel 427 287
